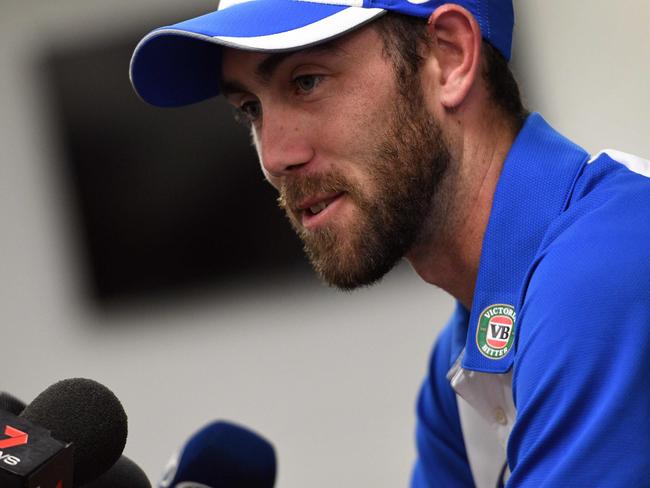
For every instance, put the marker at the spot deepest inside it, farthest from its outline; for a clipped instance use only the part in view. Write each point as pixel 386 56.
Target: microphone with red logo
pixel 222 455
pixel 71 433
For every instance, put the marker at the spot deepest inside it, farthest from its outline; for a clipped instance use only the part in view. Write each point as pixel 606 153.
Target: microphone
pixel 124 474
pixel 10 403
pixel 75 429
pixel 222 455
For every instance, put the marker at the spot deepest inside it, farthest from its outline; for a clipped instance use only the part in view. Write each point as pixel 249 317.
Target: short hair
pixel 404 36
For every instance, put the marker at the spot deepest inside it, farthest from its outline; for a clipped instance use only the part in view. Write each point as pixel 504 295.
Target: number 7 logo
pixel 16 438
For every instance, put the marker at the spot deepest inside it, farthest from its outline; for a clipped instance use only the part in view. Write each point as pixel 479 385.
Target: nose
pixel 282 144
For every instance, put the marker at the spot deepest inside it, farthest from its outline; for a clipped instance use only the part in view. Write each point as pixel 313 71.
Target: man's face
pixel 358 164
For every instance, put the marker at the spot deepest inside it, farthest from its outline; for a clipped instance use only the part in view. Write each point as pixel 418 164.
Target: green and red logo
pixel 496 331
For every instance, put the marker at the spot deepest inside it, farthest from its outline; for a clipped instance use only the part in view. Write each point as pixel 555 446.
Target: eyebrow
pixel 232 87
pixel 268 66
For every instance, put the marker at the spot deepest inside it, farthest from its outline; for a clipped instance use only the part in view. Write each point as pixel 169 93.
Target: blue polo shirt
pixel 561 313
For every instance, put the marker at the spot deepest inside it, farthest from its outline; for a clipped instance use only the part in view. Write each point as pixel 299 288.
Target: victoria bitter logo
pixel 496 331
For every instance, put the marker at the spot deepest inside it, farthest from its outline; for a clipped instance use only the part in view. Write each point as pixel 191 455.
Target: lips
pixel 319 206
pixel 313 209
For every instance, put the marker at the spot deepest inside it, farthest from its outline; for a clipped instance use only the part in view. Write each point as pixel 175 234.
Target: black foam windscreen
pixel 124 474
pixel 89 415
pixel 10 403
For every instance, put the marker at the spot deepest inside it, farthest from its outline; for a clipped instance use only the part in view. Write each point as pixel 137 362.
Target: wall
pixel 329 377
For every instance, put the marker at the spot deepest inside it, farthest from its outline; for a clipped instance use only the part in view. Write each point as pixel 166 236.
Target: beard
pixel 406 173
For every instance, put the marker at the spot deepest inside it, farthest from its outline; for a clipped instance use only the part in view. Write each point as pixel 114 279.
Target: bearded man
pixel 395 129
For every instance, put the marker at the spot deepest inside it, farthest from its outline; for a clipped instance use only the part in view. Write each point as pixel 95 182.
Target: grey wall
pixel 329 377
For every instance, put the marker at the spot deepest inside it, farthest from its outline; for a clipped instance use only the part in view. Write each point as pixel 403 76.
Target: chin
pixel 350 270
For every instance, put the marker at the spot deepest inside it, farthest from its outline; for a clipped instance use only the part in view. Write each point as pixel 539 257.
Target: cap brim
pixel 181 64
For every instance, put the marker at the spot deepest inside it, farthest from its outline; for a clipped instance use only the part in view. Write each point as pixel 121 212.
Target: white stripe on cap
pixel 229 3
pixel 319 31
pixel 351 3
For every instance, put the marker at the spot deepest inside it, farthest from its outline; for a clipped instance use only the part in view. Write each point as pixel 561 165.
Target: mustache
pixel 298 188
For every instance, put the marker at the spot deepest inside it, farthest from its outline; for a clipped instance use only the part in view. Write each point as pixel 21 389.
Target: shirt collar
pixel 533 189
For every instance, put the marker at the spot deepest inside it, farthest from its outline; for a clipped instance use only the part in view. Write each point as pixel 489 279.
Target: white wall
pixel 329 377
pixel 586 64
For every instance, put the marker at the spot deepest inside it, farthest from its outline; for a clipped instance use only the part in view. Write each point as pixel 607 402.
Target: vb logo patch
pixel 496 331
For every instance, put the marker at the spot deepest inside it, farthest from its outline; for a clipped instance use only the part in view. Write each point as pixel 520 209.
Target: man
pixel 395 129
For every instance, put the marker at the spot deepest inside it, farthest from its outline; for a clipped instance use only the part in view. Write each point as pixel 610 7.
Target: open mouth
pixel 320 206
pixel 314 210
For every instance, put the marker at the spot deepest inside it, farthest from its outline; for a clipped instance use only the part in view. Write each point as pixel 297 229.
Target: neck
pixel 449 256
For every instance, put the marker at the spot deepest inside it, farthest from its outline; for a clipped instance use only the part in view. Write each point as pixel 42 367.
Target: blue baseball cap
pixel 180 64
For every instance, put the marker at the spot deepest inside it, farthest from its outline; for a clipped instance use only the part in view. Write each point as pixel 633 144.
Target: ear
pixel 456 38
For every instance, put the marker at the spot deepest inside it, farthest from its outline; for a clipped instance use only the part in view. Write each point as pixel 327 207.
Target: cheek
pixel 364 113
pixel 359 133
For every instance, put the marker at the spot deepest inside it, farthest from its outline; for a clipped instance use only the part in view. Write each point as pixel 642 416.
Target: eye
pixel 248 112
pixel 307 83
